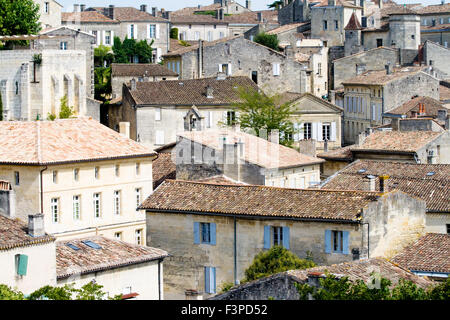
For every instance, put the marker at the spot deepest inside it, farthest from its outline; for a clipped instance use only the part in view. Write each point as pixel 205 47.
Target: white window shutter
pixel 276 69
pixel 319 132
pixel 157 31
pixel 229 69
pixel 159 137
pixel 112 38
pixel 296 135
pixel 148 31
pixel 301 129
pixel 98 37
pixel 314 131
pixel 158 55
pixel 333 131
pixel 158 114
pixel 129 31
pixel 220 67
pixel 224 117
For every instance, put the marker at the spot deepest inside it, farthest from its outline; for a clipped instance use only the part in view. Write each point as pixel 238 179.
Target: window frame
pixel 97 203
pixel 117 203
pixel 205 230
pixel 138 235
pixel 53 205
pixel 339 244
pixel 276 234
pixel 76 203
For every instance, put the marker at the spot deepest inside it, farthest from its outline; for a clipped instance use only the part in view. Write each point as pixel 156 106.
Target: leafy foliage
pixel 103 56
pixel 102 83
pixel 226 286
pixel 184 43
pixel 333 288
pixel 6 293
pixel 258 111
pixel 206 13
pixel 275 260
pixel 275 4
pixel 65 111
pixel 268 40
pixel 19 17
pixel 124 52
pixel 174 33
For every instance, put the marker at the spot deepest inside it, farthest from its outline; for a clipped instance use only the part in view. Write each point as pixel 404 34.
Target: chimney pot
pixel 124 129
pixel 383 183
pixel 154 10
pixel 133 84
pixel 442 114
pixel 36 225
pixel 143 7
pixel 82 7
pixel 370 183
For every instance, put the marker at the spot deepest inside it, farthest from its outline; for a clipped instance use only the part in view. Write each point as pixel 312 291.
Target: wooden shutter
pixel 301 133
pixel 319 132
pixel 314 131
pixel 229 69
pixel 157 114
pixel 296 135
pixel 220 67
pixel 112 38
pixel 196 232
pixel 22 264
pixel 98 37
pixel 266 237
pixel 333 131
pixel 213 233
pixel 345 242
pixel 148 31
pixel 157 31
pixel 158 55
pixel 286 237
pixel 135 31
pixel 327 241
pixel 129 31
pixel 207 280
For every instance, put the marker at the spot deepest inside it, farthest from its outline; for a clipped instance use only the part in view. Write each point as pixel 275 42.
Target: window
pixel 95 34
pixel 55 209
pixel 197 35
pixel 157 114
pixel 413 36
pixel 448 228
pixel 138 197
pixel 326 131
pixel 276 69
pixel 210 279
pixel 17 178
pixel 210 36
pixel 277 236
pixel 138 168
pixel 336 25
pixel 47 7
pixel 117 170
pixel 118 235
pixel 152 31
pixel 379 42
pixel 107 37
pixel 97 207
pixel 17 87
pixel 55 176
pixel 221 35
pixel 308 130
pixel 131 31
pixel 337 241
pixel 231 117
pixel 97 172
pixel 159 138
pixel 76 208
pixel 76 174
pixel 138 236
pixel 325 25
pixel 319 69
pixel 63 45
pixel 204 232
pixel 117 202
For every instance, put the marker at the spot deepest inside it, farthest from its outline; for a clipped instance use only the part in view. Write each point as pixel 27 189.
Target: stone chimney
pixel 248 4
pixel 143 7
pixel 442 114
pixel 331 3
pixel 133 84
pixel 260 16
pixel 82 7
pixel 388 68
pixel 289 52
pixel 111 11
pixel 124 129
pixel 36 225
pixel 154 11
pixel 209 92
pixel 395 124
pixel 383 183
pixel 76 8
pixel 219 14
pixel 370 182
pixel 167 15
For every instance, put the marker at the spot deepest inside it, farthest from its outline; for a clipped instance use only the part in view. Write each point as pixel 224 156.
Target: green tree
pixel 65 111
pixel 6 293
pixel 441 291
pixel 124 52
pixel 53 293
pixel 258 111
pixel 144 51
pixel 275 260
pixel 19 17
pixel 103 56
pixel 102 83
pixel 174 33
pixel 119 52
pixel 275 5
pixel 268 40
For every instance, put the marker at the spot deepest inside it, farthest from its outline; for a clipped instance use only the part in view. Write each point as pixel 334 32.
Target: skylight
pixel 72 246
pixel 432 173
pixel 91 244
pixel 362 170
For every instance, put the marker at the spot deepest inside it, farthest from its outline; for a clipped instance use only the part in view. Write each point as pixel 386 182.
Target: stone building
pixel 434 15
pixel 429 182
pixel 134 271
pixel 157 111
pixel 437 56
pixel 244 158
pixel 372 93
pixel 294 11
pixel 105 23
pixel 85 178
pixel 223 227
pixel 272 71
pixel 49 13
pixel 336 160
pixel 123 73
pixel 438 34
pixel 195 27
pixel 33 81
pixel 27 254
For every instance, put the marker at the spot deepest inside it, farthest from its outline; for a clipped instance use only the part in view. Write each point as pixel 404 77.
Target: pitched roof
pixel 293 97
pixel 397 141
pixel 343 154
pixel 431 106
pixel 86 16
pixel 5 185
pixel 435 8
pixel 353 23
pixel 130 14
pixel 190 92
pixel 249 200
pixel 415 179
pixel 140 70
pixel 251 17
pixel 286 27
pixel 196 19
pixel 176 45
pixel 64 141
pixel 444 93
pixel 379 77
pixel 163 168
pixel 194 46
pixel 430 253
pixel 257 150
pixel 324 3
pixel 14 234
pixel 220 179
pixel 396 9
pixel 113 254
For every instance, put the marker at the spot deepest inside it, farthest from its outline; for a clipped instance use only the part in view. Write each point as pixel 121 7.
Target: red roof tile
pixel 353 23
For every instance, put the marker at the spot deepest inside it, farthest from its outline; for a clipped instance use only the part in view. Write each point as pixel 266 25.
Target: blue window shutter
pixel 286 237
pixel 207 280
pixel 196 233
pixel 213 280
pixel 213 233
pixel 22 265
pixel 266 237
pixel 345 243
pixel 327 241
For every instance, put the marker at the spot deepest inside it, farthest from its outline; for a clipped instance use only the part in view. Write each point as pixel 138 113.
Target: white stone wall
pixel 207 32
pixel 52 17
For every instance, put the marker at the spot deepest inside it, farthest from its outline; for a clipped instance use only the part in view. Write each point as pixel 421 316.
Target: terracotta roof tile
pixel 220 179
pixel 344 153
pixel 176 45
pixel 140 70
pixel 64 140
pixel 286 27
pixel 430 253
pixel 191 92
pixel 113 254
pixel 86 16
pixel 14 234
pixel 324 3
pixel 268 16
pixel 444 93
pixel 196 19
pixel 163 168
pixel 187 196
pixel 414 179
pixel 431 106
pixel 129 14
pixel 436 8
pixel 353 23
pixel 379 77
pixel 257 150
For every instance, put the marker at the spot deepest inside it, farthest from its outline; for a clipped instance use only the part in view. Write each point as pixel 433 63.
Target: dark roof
pixel 435 8
pixel 14 234
pixel 191 92
pixel 353 23
pixel 113 254
pixel 140 70
pixel 430 253
pixel 431 106
pixel 414 179
pixel 249 200
pixel 163 168
pixel 176 44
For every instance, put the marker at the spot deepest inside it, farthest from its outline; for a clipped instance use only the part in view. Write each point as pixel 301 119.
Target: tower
pixel 352 42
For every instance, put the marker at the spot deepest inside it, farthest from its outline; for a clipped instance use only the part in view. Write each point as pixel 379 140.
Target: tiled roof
pixel 5 185
pixel 14 234
pixel 176 45
pixel 407 177
pixel 344 154
pixel 362 270
pixel 431 106
pixel 257 150
pixel 194 46
pixel 113 254
pixel 443 26
pixel 353 23
pixel 196 19
pixel 86 16
pixel 190 92
pixel 220 179
pixel 140 70
pixel 286 27
pixel 251 17
pixel 395 9
pixel 379 77
pixel 397 141
pixel 131 14
pixel 248 200
pixel 430 253
pixel 324 3
pixel 64 141
pixel 436 8
pixel 444 93
pixel 163 168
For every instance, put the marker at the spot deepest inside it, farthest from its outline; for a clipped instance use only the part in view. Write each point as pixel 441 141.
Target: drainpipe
pixel 42 189
pixel 159 279
pixel 235 253
pixel 368 241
